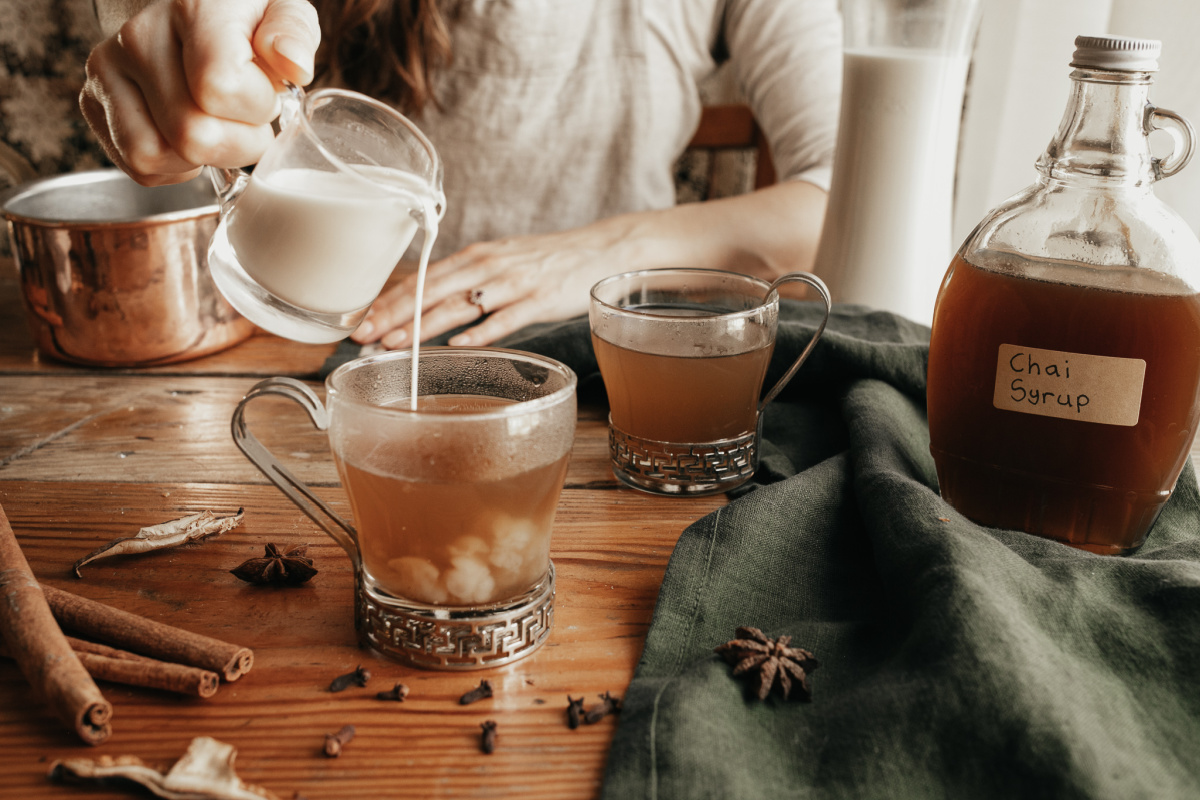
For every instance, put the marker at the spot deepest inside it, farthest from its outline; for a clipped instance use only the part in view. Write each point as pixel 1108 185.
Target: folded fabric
pixel 957 661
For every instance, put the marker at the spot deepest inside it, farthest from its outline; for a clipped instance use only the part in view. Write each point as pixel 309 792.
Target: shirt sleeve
pixel 786 57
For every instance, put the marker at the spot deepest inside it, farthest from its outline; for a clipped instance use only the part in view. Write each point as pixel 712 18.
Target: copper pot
pixel 115 274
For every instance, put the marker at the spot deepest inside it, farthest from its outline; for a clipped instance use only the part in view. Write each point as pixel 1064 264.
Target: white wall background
pixel 1019 85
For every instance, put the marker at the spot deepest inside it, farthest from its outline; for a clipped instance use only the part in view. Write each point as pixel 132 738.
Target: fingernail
pixel 294 51
pixel 460 340
pixel 394 339
pixel 365 329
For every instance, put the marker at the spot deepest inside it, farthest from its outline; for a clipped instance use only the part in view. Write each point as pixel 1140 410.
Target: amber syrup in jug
pixel 1064 363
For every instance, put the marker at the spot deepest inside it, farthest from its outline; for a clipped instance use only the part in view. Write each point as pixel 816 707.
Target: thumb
pixel 287 39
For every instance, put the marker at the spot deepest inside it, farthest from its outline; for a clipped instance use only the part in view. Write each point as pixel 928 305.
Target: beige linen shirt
pixel 556 113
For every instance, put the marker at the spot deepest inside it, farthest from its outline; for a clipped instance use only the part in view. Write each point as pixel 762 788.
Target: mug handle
pixel 823 290
pixel 340 531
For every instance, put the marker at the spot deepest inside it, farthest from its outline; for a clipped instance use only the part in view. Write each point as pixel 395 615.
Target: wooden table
pixel 89 455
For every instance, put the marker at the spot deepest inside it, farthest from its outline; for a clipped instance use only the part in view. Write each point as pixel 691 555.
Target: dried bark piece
pixel 772 661
pixel 278 568
pixel 205 772
pixel 165 535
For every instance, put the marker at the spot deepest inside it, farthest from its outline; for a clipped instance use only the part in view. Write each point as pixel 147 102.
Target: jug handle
pixel 823 290
pixel 1183 135
pixel 231 182
pixel 340 531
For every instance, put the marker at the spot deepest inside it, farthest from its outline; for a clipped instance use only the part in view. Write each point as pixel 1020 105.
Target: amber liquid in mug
pixel 682 400
pixel 1092 485
pixel 457 541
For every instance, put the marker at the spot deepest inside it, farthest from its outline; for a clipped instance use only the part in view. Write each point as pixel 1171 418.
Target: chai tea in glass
pixel 683 354
pixel 441 523
pixel 453 496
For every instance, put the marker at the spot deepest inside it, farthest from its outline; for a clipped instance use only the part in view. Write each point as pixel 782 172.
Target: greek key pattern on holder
pixel 726 461
pixel 456 640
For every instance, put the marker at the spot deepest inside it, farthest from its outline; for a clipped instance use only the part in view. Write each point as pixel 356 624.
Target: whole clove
pixel 334 742
pixel 607 705
pixel 398 693
pixel 574 712
pixel 487 740
pixel 480 692
pixel 359 677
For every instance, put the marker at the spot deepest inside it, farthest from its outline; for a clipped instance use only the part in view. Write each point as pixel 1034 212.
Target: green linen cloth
pixel 957 661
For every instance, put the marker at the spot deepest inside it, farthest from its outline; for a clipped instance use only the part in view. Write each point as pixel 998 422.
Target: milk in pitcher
pixel 325 241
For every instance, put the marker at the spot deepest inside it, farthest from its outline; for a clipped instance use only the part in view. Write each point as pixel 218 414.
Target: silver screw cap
pixel 1117 53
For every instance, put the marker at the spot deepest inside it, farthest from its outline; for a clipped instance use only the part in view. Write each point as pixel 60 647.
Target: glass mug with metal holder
pixel 683 354
pixel 307 240
pixel 453 495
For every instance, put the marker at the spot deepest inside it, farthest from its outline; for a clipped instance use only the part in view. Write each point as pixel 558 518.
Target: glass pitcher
pixel 306 242
pixel 1064 365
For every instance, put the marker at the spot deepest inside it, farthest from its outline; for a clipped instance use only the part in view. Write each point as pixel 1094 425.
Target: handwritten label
pixel 1075 386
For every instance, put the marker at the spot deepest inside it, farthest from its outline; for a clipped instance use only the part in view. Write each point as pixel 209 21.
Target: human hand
pixel 504 285
pixel 187 83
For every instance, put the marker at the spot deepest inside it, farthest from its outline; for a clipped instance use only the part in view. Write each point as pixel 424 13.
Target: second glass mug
pixel 307 240
pixel 683 354
pixel 453 501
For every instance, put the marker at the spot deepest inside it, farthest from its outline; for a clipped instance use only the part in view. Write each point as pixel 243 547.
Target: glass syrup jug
pixel 1064 364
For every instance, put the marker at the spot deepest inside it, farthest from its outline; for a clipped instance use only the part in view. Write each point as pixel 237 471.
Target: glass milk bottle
pixel 1064 363
pixel 886 235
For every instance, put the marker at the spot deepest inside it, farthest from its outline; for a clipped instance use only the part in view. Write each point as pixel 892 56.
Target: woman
pixel 558 124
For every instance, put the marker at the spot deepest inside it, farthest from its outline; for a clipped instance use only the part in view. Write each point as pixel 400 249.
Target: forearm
pixel 113 13
pixel 766 232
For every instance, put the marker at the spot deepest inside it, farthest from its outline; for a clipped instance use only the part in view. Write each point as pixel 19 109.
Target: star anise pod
pixel 771 661
pixel 279 569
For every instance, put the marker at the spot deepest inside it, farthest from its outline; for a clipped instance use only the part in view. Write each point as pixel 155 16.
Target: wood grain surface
pixel 89 455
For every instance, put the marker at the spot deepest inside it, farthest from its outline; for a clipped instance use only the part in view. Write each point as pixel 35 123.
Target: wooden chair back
pixel 733 127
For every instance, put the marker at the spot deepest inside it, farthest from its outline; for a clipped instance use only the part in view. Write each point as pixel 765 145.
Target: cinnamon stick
pixel 41 651
pixel 120 666
pixel 152 674
pixel 147 637
pixel 106 663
